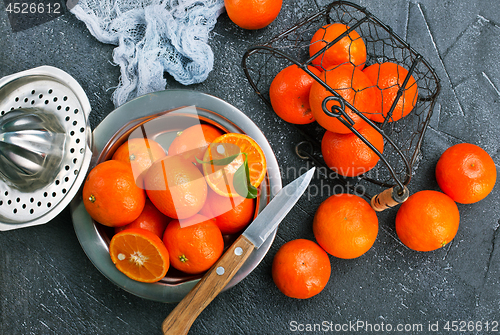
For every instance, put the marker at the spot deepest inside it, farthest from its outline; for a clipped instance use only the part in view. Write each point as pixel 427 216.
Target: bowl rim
pixel 151 105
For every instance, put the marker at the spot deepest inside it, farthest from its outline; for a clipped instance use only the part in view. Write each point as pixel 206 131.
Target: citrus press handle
pixel 179 321
pixel 389 198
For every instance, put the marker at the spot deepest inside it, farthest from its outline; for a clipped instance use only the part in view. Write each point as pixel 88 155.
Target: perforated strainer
pixel 58 106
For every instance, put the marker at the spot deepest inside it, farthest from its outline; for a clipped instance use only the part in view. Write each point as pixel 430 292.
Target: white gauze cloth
pixel 153 36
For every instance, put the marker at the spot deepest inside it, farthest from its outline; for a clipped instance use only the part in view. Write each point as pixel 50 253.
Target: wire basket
pixel 402 138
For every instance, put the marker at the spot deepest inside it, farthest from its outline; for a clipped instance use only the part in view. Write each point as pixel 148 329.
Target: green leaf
pixel 241 181
pixel 252 192
pixel 222 161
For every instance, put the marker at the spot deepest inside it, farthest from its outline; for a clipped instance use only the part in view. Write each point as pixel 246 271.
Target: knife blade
pixel 271 216
pixel 181 318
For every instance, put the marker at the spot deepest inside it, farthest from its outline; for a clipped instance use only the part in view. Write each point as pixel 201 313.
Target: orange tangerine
pixel 220 177
pixel 140 255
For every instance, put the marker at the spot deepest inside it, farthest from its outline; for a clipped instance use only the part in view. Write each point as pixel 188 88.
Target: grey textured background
pixel 48 285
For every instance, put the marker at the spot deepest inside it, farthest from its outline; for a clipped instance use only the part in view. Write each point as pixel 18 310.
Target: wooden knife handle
pixel 179 321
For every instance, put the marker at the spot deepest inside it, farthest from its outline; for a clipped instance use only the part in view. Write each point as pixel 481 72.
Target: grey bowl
pixel 153 111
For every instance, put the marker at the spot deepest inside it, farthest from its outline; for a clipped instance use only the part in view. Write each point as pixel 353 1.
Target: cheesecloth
pixel 153 36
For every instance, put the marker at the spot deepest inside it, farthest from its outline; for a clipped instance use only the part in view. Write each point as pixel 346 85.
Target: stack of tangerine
pixel 297 97
pixel 173 208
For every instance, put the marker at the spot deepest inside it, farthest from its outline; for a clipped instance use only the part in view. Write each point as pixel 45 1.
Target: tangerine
pixel 348 155
pixel 427 220
pixel 110 194
pixel 220 178
pixel 345 225
pixel 230 214
pixel 354 87
pixel 253 14
pixel 301 269
pixel 466 173
pixel 150 219
pixel 140 255
pixel 289 94
pixel 140 153
pixel 195 246
pixel 389 78
pixel 350 48
pixel 176 187
pixel 192 142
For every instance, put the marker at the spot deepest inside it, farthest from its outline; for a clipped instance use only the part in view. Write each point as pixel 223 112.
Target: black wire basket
pixel 403 138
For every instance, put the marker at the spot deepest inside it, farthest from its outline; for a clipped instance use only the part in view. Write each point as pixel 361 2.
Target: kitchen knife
pixel 182 317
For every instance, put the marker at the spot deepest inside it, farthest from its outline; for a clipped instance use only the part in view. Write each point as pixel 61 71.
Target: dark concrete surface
pixel 49 286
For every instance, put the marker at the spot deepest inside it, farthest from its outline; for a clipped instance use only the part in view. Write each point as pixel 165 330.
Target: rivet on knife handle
pixel 179 321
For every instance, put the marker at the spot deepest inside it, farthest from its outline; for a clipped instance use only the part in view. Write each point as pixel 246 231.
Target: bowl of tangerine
pixel 176 177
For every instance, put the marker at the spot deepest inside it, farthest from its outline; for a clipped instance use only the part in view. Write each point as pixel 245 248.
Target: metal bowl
pixel 162 113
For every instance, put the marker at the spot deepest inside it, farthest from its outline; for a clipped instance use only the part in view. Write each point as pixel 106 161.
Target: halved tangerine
pixel 220 175
pixel 140 255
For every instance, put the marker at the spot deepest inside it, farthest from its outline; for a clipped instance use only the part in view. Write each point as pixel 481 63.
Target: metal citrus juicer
pixel 45 145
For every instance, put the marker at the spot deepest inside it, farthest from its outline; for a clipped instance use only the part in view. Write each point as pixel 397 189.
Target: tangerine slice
pixel 220 177
pixel 140 255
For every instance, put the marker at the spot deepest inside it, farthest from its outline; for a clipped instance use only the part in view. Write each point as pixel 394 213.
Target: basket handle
pixel 389 198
